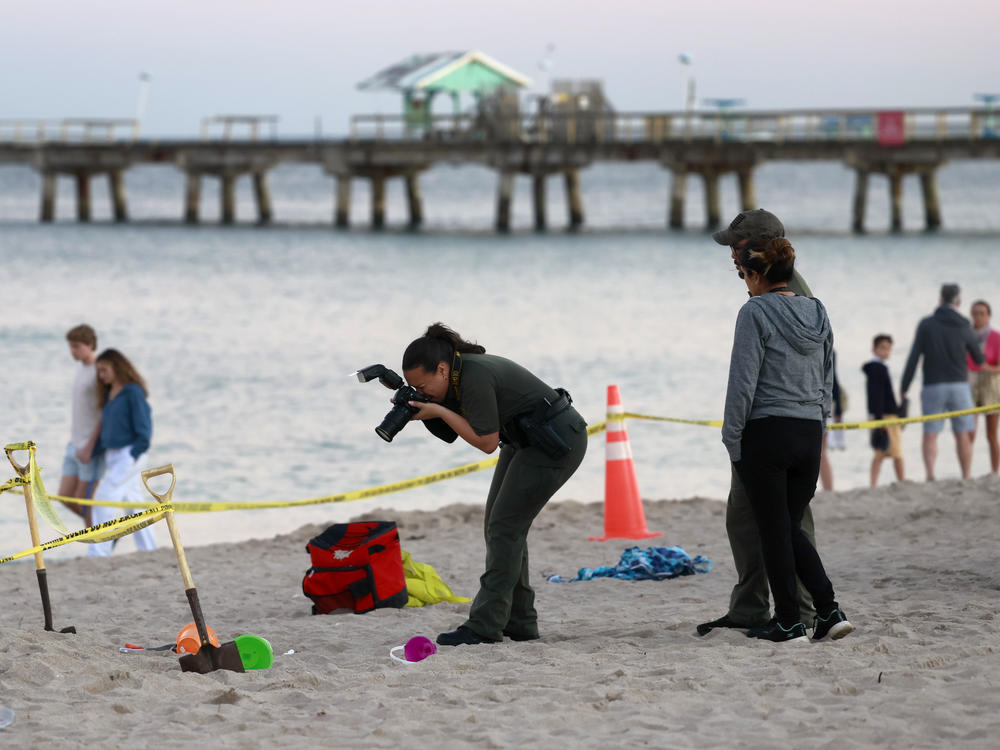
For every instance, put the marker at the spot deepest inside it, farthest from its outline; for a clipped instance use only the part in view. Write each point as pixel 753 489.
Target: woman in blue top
pixel 126 429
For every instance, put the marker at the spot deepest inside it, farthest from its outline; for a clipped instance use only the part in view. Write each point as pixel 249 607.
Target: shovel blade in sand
pixel 210 658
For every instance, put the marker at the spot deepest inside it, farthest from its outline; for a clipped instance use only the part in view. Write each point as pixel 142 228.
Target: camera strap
pixel 456 373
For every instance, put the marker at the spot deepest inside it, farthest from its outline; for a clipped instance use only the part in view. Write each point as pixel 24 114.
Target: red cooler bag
pixel 356 566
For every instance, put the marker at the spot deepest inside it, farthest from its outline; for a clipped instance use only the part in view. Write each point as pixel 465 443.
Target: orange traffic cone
pixel 623 514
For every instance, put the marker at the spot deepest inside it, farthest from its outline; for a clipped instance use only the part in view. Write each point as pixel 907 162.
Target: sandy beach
pixel 915 567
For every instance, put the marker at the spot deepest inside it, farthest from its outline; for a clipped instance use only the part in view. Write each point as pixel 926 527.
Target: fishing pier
pixel 705 145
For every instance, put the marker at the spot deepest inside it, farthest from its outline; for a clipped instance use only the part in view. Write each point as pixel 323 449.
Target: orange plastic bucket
pixel 189 642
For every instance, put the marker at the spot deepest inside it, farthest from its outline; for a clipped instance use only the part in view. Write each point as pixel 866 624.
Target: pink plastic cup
pixel 419 648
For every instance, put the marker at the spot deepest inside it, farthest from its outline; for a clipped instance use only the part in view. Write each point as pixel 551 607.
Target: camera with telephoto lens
pixel 401 411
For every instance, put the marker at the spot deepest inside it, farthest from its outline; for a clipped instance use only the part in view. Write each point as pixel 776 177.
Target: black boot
pixel 462 637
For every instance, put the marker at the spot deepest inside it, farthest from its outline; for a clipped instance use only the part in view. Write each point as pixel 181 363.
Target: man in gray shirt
pixel 942 339
pixel 750 603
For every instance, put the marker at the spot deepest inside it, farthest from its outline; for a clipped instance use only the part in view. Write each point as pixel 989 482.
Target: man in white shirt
pixel 81 470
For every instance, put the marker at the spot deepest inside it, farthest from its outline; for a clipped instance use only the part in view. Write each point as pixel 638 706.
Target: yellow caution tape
pixel 875 423
pixel 407 484
pixel 30 476
pixel 383 489
pixel 12 483
pixel 702 422
pixel 867 425
pixel 102 532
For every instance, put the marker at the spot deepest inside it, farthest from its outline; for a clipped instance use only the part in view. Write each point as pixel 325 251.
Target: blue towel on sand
pixel 649 564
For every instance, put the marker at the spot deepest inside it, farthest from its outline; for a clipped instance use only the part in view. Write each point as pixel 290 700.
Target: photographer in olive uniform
pixel 490 401
pixel 749 604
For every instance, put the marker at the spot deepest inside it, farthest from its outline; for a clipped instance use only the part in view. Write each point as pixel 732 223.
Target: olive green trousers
pixel 524 480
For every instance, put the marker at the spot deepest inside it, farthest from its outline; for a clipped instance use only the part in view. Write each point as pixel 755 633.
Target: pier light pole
pixel 689 100
pixel 545 69
pixel 140 105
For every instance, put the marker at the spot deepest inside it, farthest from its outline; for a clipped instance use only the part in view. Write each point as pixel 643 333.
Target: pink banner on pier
pixel 891 129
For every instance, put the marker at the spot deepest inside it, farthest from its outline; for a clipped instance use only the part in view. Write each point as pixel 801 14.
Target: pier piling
pixel 932 206
pixel 227 192
pixel 378 201
pixel 678 191
pixel 538 194
pixel 83 196
pixel 413 200
pixel 192 198
pixel 47 211
pixel 861 175
pixel 713 212
pixel 262 196
pixel 574 198
pixel 342 212
pixel 748 193
pixel 896 198
pixel 505 193
pixel 116 186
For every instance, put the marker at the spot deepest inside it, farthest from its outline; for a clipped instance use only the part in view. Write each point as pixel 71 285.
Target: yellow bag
pixel 424 585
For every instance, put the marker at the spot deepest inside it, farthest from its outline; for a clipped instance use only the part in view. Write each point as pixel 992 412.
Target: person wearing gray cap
pixel 942 339
pixel 749 603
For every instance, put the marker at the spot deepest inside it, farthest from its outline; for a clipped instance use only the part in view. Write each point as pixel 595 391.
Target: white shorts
pixel 123 483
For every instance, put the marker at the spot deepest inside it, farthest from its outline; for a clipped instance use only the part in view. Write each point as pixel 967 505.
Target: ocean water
pixel 248 336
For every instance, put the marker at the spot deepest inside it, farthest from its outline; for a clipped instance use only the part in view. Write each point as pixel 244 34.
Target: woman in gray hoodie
pixel 777 401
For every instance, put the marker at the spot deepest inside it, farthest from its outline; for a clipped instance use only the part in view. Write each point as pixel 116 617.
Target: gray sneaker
pixel 834 626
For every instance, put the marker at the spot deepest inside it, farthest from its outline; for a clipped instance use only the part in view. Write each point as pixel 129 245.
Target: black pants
pixel 779 467
pixel 750 601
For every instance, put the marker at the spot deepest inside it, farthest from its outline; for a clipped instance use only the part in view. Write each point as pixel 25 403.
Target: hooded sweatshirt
pixel 881 399
pixel 781 365
pixel 943 339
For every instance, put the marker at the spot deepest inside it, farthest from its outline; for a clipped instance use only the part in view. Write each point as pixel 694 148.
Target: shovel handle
pixel 150 473
pixel 175 538
pixel 23 471
pixel 10 449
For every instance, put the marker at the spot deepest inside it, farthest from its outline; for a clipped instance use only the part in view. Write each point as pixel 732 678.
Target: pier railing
pixel 246 127
pixel 927 124
pixel 70 130
pixel 624 127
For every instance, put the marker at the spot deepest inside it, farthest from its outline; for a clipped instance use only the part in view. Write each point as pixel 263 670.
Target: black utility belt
pixel 533 429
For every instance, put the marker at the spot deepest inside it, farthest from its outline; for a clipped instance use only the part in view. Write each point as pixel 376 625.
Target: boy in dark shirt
pixel 885 441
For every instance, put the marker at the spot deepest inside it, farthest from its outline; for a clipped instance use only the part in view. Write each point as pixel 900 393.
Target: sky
pixel 302 59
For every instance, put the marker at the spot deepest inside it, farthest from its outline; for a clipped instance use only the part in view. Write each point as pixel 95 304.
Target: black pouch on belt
pixel 536 426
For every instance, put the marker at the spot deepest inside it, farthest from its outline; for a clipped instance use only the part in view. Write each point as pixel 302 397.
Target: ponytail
pixel 438 344
pixel 774 260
